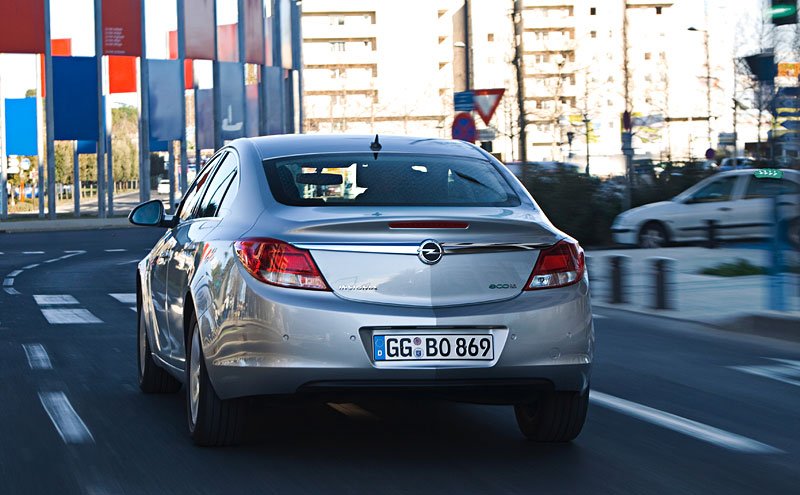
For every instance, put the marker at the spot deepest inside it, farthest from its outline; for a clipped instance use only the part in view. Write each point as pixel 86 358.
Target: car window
pixel 195 191
pixel 387 179
pixel 227 201
pixel 718 190
pixel 767 188
pixel 217 187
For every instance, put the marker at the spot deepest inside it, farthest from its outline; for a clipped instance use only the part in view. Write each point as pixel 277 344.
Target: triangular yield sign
pixel 486 102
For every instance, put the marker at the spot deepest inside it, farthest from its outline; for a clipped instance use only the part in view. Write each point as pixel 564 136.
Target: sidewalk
pixel 725 302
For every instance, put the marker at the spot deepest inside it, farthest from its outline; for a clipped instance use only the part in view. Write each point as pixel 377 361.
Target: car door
pixel 157 288
pixel 163 263
pixel 755 211
pixel 190 235
pixel 711 202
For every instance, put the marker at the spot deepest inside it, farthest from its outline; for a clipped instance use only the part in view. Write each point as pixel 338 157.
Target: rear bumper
pixel 273 341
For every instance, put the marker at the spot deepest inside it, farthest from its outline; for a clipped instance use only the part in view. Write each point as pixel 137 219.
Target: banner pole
pixel 3 170
pixel 180 35
pixel 101 111
pixel 49 116
pixel 40 184
pixel 76 179
pixel 144 118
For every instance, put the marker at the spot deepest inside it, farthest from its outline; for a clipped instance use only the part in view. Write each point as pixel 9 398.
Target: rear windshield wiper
pixel 472 179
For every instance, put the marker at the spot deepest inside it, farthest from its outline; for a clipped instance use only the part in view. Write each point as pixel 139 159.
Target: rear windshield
pixel 389 179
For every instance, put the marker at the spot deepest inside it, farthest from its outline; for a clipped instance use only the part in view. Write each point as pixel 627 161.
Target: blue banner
pixel 87 147
pixel 205 118
pixel 75 98
pixel 232 100
pixel 166 90
pixel 156 145
pixel 22 136
pixel 251 126
pixel 274 99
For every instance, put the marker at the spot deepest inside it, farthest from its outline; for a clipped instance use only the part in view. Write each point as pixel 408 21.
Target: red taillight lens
pixel 279 263
pixel 557 266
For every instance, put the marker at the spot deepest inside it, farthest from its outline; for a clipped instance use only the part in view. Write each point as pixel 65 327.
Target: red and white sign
pixel 486 102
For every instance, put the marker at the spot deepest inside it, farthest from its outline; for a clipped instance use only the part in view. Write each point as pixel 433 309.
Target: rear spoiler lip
pixel 413 249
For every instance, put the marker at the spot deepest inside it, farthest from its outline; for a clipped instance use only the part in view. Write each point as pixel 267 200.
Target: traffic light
pixel 783 12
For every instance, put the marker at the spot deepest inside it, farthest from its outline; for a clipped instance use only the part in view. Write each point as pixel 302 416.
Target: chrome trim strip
pixel 449 248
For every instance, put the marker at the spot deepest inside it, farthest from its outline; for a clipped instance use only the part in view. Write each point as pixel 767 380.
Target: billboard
pixel 22 136
pixel 166 91
pixel 198 29
pixel 122 27
pixel 75 98
pixel 22 26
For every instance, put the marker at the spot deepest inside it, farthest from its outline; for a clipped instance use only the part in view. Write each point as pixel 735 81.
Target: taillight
pixel 279 263
pixel 559 265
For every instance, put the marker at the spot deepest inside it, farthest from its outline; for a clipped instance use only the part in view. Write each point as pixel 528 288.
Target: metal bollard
pixel 663 270
pixel 619 272
pixel 712 242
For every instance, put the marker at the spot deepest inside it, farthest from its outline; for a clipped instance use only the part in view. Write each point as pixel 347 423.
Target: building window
pixel 592 11
pixel 490 37
pixel 658 10
pixel 337 46
pixel 337 20
pixel 593 34
pixel 647 55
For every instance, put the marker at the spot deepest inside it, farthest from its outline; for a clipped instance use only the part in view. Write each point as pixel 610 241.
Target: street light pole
pixel 586 124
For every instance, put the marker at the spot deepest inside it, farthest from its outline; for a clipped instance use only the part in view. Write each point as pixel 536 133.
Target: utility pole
pixel 520 70
pixel 3 171
pixel 627 135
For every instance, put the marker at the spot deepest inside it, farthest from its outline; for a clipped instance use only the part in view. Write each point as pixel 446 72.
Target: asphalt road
pixel 677 408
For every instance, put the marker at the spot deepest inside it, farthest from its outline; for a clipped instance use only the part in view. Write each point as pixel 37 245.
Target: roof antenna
pixel 375 146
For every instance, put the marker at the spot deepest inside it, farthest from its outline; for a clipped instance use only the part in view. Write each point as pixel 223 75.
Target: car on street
pixel 163 186
pixel 543 168
pixel 319 265
pixel 734 205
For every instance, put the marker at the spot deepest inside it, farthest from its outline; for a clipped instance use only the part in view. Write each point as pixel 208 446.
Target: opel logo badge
pixel 430 252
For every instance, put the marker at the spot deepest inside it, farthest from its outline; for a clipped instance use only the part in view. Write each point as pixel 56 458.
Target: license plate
pixel 432 347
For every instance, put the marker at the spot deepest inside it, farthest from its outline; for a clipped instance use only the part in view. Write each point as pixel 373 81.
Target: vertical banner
pixel 59 47
pixel 228 43
pixel 285 33
pixel 21 127
pixel 254 49
pixel 273 78
pixel 199 29
pixel 75 104
pixel 22 26
pixel 122 74
pixel 232 99
pixel 122 30
pixel 251 97
pixel 205 119
pixel 188 66
pixel 166 90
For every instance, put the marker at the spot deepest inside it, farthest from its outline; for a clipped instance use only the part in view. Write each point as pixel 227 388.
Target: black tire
pixel 152 378
pixel 217 422
pixel 653 235
pixel 554 417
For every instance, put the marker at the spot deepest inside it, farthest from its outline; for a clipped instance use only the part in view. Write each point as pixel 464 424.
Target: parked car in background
pixel 163 186
pixel 542 168
pixel 739 204
pixel 736 163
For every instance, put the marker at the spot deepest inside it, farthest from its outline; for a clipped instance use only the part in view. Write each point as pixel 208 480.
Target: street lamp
pixel 586 122
pixel 708 81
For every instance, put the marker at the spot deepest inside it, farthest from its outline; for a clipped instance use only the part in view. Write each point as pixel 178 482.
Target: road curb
pixel 63 225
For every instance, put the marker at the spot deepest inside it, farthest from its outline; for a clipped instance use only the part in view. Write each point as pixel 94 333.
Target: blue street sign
pixel 464 101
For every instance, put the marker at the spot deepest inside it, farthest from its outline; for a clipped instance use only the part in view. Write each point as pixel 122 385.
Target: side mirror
pixel 151 214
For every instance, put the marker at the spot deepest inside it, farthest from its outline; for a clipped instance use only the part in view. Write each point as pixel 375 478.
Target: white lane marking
pixel 37 357
pixel 682 425
pixel 71 254
pixel 352 410
pixel 67 316
pixel 8 282
pixel 52 260
pixel 115 250
pixel 69 425
pixel 14 273
pixel 78 251
pixel 132 308
pixel 129 262
pixel 52 300
pixel 33 252
pixel 788 371
pixel 30 266
pixel 598 317
pixel 11 291
pixel 126 298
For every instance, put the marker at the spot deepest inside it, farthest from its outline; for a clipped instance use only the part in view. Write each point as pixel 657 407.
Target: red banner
pixel 188 67
pixel 60 47
pixel 228 43
pixel 198 29
pixel 122 27
pixel 22 26
pixel 121 74
pixel 254 32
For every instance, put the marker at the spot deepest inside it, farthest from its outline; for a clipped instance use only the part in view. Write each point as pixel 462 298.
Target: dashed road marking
pixel 787 371
pixel 11 291
pixel 37 357
pixel 69 316
pixel 52 260
pixel 67 422
pixel 352 410
pixel 125 298
pixel 115 250
pixel 8 282
pixel 128 262
pixel 700 431
pixel 30 266
pixel 33 252
pixel 14 273
pixel 75 251
pixel 53 300
pixel 598 317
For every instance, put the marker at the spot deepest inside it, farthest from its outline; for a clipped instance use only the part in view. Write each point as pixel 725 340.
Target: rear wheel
pixel 152 378
pixel 554 417
pixel 212 421
pixel 653 235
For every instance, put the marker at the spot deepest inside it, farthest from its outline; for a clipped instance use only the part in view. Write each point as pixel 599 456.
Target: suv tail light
pixel 559 265
pixel 279 263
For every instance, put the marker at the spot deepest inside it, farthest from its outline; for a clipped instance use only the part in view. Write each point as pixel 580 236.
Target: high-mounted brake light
pixel 429 224
pixel 279 263
pixel 559 265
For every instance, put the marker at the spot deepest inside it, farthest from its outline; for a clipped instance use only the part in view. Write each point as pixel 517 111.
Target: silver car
pixel 316 265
